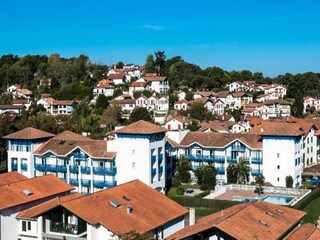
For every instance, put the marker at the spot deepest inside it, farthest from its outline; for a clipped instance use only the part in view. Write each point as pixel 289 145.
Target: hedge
pixel 200 202
pixel 203 194
pixel 307 199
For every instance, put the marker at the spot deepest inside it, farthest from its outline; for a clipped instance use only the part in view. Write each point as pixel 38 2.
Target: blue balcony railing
pixel 256 160
pixel 51 167
pixel 85 183
pixel 14 166
pixel 220 170
pixel 102 184
pixel 231 160
pixel 40 167
pixel 85 170
pixel 154 171
pixel 160 157
pixel 74 182
pixel 73 169
pixel 62 168
pixel 153 159
pixel 24 166
pixel 161 170
pixel 256 172
pixel 207 158
pixel 105 171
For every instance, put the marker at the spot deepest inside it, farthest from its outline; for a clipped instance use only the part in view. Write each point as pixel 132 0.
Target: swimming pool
pixel 272 198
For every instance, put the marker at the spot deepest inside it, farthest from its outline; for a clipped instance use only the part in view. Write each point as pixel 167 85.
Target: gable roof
pixel 141 127
pixel 219 140
pixel 277 128
pixel 138 84
pixel 63 102
pixel 42 187
pixel 307 231
pixel 66 142
pixel 144 201
pixel 154 78
pixel 29 133
pixel 216 125
pixel 253 220
pixel 11 177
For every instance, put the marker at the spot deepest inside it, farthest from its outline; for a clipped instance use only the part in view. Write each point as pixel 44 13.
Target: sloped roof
pixel 124 101
pixel 222 94
pixel 307 231
pixel 154 78
pixel 11 177
pixel 63 102
pixel 241 94
pixel 42 187
pixel 67 141
pixel 219 140
pixel 216 125
pixel 29 133
pixel 138 84
pixel 8 106
pixel 144 201
pixel 141 127
pixel 270 128
pixel 246 221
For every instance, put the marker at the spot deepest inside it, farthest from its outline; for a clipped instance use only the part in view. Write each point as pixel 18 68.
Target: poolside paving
pixel 238 193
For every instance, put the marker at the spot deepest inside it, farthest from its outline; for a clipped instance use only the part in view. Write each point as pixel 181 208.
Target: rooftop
pixel 11 177
pixel 29 134
pixel 141 127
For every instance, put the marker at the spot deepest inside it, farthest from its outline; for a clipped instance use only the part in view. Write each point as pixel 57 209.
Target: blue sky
pixel 273 37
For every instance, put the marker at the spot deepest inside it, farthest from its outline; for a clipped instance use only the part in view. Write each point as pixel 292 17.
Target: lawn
pixel 201 212
pixel 313 211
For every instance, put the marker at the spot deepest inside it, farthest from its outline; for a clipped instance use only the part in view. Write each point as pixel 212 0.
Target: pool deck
pixel 230 194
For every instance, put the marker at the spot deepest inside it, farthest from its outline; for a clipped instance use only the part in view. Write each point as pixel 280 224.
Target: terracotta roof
pixel 20 101
pixel 278 101
pixel 48 100
pixel 8 106
pixel 205 94
pixel 63 102
pixel 105 82
pixel 25 91
pixel 224 117
pixel 141 127
pixel 182 101
pixel 11 177
pixel 138 84
pixel 202 100
pixel 307 231
pixel 46 206
pixel 177 118
pixel 253 220
pixel 174 144
pixel 155 78
pixel 222 94
pixel 29 134
pixel 219 140
pixel 41 187
pixel 281 128
pixel 216 126
pixel 124 101
pixel 66 142
pixel 116 76
pixel 240 94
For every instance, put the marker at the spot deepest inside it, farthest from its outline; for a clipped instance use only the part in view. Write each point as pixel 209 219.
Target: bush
pixel 307 199
pixel 180 191
pixel 289 181
pixel 200 202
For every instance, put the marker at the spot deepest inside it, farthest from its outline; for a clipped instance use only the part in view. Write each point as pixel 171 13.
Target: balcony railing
pixel 102 184
pixel 40 166
pixel 51 167
pixel 207 158
pixel 154 171
pixel 220 170
pixel 67 228
pixel 14 166
pixel 105 171
pixel 74 182
pixel 24 166
pixel 85 183
pixel 256 172
pixel 73 169
pixel 153 159
pixel 62 168
pixel 85 170
pixel 160 157
pixel 256 160
pixel 231 160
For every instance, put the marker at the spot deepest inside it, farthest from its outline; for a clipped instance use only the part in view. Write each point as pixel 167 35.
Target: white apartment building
pixel 64 107
pixel 158 84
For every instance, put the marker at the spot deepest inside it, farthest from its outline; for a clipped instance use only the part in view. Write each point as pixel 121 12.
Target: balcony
pixel 238 149
pixel 79 156
pixel 24 166
pixel 153 159
pixel 68 228
pixel 51 167
pixel 14 166
pixel 85 170
pixel 62 168
pixel 102 184
pixel 85 183
pixel 74 182
pixel 105 171
pixel 206 158
pixel 153 171
pixel 73 169
pixel 220 170
pixel 231 160
pixel 256 172
pixel 256 160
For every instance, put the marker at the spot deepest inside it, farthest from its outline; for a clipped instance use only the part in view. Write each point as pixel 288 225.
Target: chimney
pixel 129 210
pixel 192 216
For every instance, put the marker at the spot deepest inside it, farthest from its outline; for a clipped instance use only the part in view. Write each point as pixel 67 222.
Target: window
pixel 29 225
pixel 101 164
pixel 133 164
pixel 278 167
pixel 133 151
pixel 24 226
pixel 311 150
pixel 278 155
pixel 278 179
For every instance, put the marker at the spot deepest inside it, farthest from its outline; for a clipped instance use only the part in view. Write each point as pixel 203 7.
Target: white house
pixel 63 107
pixel 176 123
pixel 20 148
pixel 118 78
pixel 97 216
pixel 181 105
pixel 138 85
pixel 104 87
pixel 46 102
pixel 309 102
pixel 158 84
pixel 18 194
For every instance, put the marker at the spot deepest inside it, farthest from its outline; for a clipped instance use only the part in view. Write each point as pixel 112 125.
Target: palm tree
pixel 182 170
pixel 260 181
pixel 241 170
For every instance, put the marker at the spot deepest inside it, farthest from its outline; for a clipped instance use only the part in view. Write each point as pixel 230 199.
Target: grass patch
pixel 201 212
pixel 313 211
pixel 172 191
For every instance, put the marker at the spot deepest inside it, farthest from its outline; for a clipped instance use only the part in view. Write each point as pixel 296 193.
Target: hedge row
pixel 206 203
pixel 307 199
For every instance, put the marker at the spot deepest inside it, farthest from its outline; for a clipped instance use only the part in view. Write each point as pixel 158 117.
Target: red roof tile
pixel 141 127
pixel 29 134
pixel 11 177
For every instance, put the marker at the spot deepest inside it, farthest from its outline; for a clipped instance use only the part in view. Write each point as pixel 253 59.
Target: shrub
pixel 307 199
pixel 180 191
pixel 289 181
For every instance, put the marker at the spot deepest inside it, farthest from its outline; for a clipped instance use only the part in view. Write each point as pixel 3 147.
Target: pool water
pixel 271 198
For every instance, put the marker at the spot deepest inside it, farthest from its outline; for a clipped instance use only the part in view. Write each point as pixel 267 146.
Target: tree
pixel 289 181
pixel 297 108
pixel 231 178
pixel 140 113
pixel 241 170
pixel 149 66
pixel 160 60
pixel 119 65
pixel 182 173
pixel 260 180
pixel 102 102
pixel 206 177
pixel 198 111
pixel 137 94
pixel 193 126
pixel 111 116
